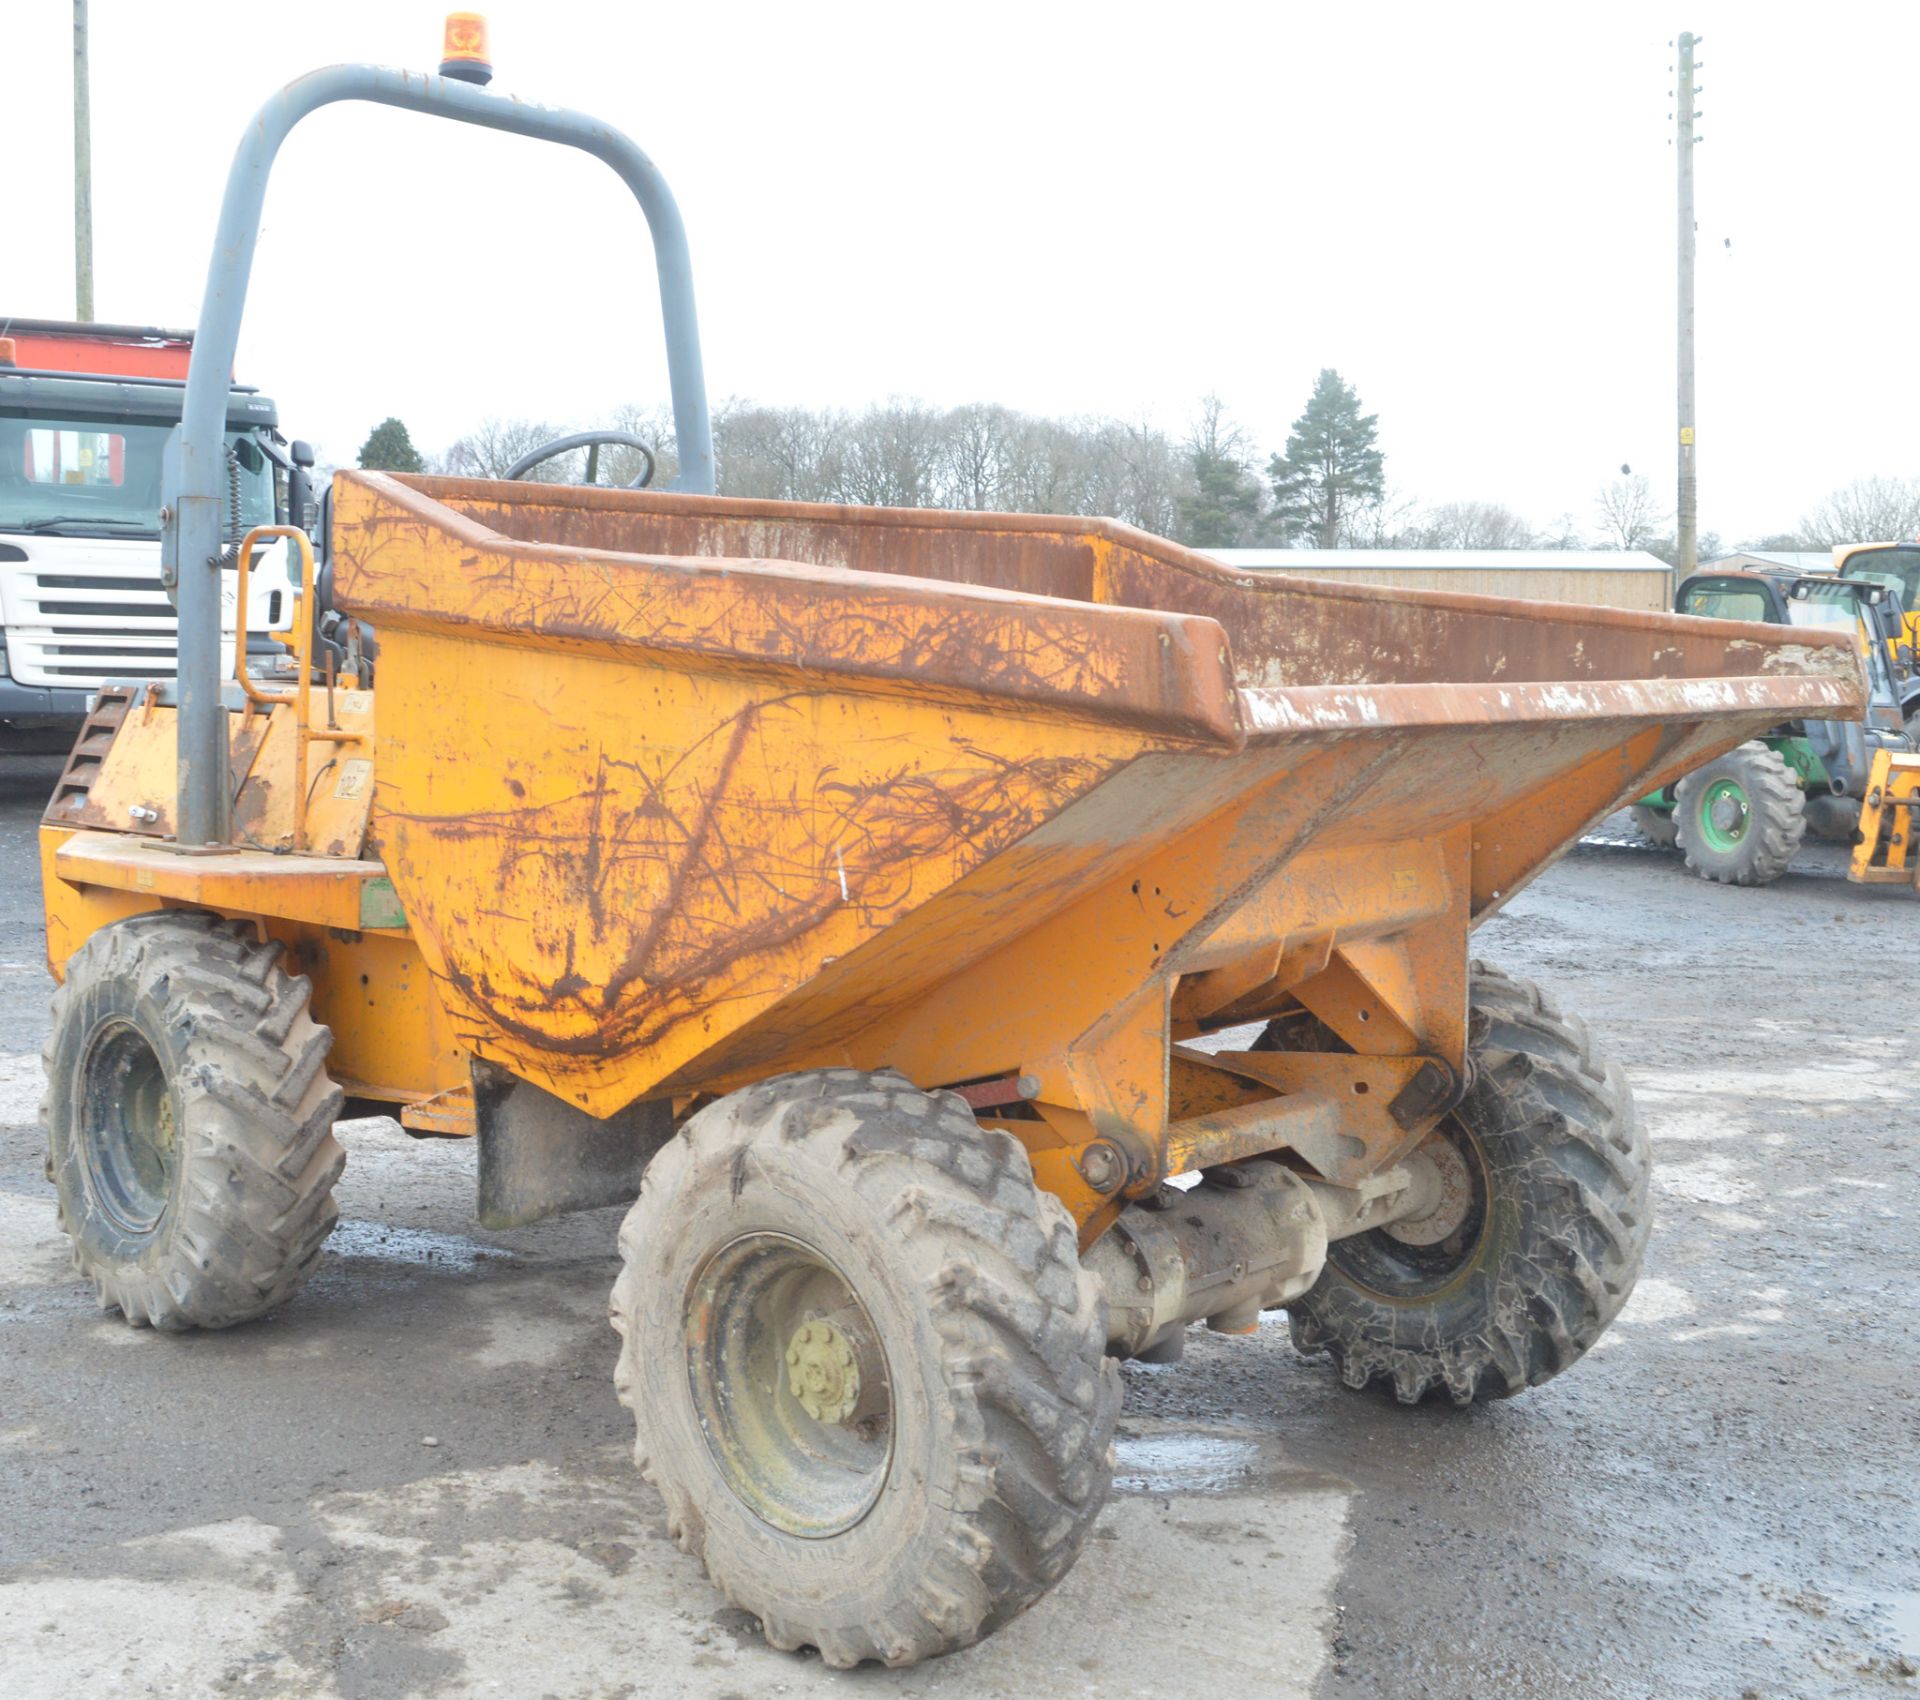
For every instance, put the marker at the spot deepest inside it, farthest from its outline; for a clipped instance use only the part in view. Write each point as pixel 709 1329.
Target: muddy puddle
pixel 1184 1464
pixel 385 1243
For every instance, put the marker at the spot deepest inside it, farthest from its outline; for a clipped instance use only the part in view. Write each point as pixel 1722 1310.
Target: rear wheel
pixel 866 1369
pixel 1740 819
pixel 189 1121
pixel 1656 825
pixel 1540 1236
pixel 1834 820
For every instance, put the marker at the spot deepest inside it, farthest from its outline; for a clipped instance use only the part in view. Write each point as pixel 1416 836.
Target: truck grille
pixel 78 628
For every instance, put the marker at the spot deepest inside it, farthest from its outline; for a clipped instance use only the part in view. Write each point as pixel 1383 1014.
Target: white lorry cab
pixel 85 413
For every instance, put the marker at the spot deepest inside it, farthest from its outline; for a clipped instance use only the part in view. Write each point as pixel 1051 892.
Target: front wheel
pixel 1540 1237
pixel 189 1121
pixel 1741 818
pixel 866 1369
pixel 1656 825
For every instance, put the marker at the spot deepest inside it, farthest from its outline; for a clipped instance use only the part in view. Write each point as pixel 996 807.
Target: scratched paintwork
pixel 677 792
pixel 645 864
pixel 672 786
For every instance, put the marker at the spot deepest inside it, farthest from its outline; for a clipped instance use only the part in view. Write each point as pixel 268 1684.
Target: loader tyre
pixel 866 1369
pixel 1740 819
pixel 189 1120
pixel 1656 826
pixel 1834 820
pixel 1552 1227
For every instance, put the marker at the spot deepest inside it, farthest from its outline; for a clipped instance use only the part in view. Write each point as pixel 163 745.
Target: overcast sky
pixel 1468 210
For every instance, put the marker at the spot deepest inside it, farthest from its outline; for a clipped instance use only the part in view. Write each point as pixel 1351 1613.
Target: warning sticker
pixel 353 779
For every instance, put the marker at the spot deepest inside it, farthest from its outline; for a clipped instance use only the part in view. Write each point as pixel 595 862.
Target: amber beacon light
pixel 463 49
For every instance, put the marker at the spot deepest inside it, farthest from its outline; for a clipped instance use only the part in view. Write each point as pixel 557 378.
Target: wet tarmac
pixel 1720 1502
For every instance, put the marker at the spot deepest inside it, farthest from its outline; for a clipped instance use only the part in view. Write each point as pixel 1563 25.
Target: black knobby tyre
pixel 189 1120
pixel 1656 826
pixel 852 1229
pixel 1550 1238
pixel 1739 819
pixel 1832 819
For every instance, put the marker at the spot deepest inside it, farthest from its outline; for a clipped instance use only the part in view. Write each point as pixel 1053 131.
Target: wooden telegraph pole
pixel 82 171
pixel 1687 509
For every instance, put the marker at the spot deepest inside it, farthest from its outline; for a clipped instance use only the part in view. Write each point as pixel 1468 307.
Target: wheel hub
pixel 1442 1174
pixel 1725 814
pixel 790 1382
pixel 822 1372
pixel 127 1127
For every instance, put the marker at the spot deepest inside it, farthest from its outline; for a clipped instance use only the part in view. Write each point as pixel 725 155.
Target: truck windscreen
pixel 76 477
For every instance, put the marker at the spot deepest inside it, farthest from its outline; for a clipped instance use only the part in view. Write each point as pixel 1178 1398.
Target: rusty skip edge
pixel 908 542
pixel 1168 557
pixel 1837 694
pixel 1171 674
pixel 1164 674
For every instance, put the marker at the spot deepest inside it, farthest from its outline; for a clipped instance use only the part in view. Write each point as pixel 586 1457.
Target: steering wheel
pixel 581 440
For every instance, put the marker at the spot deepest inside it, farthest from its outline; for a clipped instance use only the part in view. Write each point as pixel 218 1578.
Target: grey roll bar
pixel 195 482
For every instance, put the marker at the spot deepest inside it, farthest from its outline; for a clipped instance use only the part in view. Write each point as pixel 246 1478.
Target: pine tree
pixel 388 448
pixel 1331 465
pixel 1221 508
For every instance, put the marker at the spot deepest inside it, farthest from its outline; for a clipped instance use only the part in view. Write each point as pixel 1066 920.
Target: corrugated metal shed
pixel 1612 578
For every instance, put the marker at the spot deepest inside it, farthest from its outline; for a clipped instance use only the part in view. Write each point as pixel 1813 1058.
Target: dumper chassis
pixel 871 898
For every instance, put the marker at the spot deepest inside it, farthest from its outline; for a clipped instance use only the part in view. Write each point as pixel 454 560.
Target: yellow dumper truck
pixel 856 893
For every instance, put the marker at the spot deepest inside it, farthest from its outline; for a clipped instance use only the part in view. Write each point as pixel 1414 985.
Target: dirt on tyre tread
pixel 252 1203
pixel 1567 1221
pixel 1776 827
pixel 1014 1330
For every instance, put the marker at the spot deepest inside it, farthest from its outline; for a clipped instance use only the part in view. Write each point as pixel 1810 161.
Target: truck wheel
pixel 1835 820
pixel 1656 825
pixel 866 1369
pixel 189 1121
pixel 1549 1228
pixel 1740 818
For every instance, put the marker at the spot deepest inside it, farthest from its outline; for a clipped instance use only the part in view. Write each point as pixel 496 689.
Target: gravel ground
pixel 414 1480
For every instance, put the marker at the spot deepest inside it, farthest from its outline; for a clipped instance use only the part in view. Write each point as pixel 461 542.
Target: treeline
pixel 1209 487
pixel 898 453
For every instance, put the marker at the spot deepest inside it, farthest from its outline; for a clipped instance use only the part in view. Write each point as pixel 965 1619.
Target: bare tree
pixel 783 454
pixel 1138 477
pixel 1869 510
pixel 1560 533
pixel 890 455
pixel 1471 525
pixel 495 444
pixel 653 426
pixel 1048 470
pixel 977 444
pixel 1385 521
pixel 1629 516
pixel 899 454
